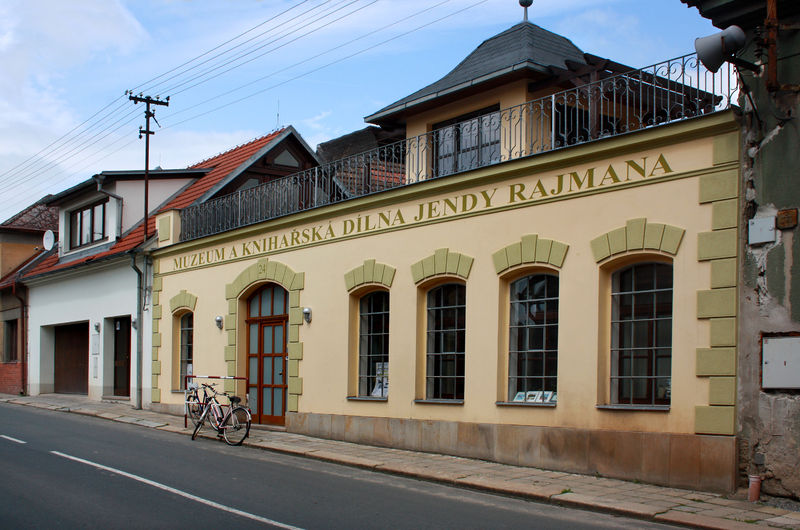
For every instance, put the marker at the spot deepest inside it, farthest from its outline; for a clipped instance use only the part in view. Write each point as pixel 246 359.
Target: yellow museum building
pixel 532 260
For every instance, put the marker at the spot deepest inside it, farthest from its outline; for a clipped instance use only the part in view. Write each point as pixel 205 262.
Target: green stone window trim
pixel 637 234
pixel 442 263
pixel 371 272
pixel 182 300
pixel 262 271
pixel 719 304
pixel 155 364
pixel 531 249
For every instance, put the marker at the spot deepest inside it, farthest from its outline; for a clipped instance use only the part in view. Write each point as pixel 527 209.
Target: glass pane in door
pixel 268 339
pixel 253 372
pixel 267 405
pixel 278 339
pixel 278 401
pixel 277 373
pixel 267 371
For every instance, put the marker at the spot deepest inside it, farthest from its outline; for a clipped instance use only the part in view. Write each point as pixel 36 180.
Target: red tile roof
pixel 220 166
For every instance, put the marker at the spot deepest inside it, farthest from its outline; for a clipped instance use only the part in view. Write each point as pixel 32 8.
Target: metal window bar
pixel 672 90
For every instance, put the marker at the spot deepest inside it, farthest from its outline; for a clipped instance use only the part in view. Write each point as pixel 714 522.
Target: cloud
pixel 315 122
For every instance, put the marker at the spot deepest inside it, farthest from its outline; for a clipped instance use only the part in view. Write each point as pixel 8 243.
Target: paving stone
pixel 151 424
pixel 687 509
pixel 771 510
pixel 701 521
pixel 500 486
pixel 352 460
pixel 784 521
pixel 626 508
pixel 126 419
pixel 174 428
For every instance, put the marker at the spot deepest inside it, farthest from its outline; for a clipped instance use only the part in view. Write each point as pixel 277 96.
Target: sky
pixel 238 69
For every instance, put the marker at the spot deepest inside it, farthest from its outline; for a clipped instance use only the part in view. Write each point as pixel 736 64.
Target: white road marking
pixel 12 439
pixel 179 492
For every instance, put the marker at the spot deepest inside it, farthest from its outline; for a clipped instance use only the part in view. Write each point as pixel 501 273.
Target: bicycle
pixel 232 421
pixel 193 403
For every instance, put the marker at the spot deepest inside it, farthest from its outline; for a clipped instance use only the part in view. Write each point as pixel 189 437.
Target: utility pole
pixel 142 273
pixel 147 100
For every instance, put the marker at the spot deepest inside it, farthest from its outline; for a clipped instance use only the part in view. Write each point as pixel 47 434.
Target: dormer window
pixel 87 225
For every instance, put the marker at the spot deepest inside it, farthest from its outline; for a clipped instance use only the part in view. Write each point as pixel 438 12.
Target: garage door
pixel 72 359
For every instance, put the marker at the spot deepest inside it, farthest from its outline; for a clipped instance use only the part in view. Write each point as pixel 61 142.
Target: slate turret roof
pixel 524 46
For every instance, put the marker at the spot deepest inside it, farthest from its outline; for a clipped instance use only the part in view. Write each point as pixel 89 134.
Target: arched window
pixel 533 339
pixel 373 345
pixel 186 347
pixel 446 311
pixel 641 334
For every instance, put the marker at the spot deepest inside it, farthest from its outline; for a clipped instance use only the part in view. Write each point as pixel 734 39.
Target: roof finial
pixel 525 4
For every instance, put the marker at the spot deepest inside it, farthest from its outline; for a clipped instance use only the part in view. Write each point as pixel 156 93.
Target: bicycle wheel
pixel 236 426
pixel 194 408
pixel 200 422
pixel 215 413
pixel 197 427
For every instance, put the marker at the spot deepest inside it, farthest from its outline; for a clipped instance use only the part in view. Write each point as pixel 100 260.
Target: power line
pixel 79 149
pixel 42 163
pixel 71 141
pixel 198 65
pixel 173 90
pixel 54 142
pixel 75 149
pixel 54 163
pixel 140 86
pixel 326 65
pixel 383 28
pixel 41 185
pixel 65 139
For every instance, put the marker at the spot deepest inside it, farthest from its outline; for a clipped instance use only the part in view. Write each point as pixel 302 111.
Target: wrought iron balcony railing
pixel 673 90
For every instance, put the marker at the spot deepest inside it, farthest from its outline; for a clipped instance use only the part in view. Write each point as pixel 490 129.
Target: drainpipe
pixel 139 334
pixel 23 326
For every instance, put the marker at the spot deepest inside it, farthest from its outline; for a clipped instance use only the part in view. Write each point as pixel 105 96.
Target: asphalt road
pixel 81 472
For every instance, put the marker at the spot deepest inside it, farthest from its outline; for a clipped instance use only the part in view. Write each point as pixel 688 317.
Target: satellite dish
pixel 48 240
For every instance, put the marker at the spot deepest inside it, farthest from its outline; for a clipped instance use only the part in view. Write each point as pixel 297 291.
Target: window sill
pixel 95 243
pixel 524 404
pixel 367 398
pixel 439 401
pixel 644 408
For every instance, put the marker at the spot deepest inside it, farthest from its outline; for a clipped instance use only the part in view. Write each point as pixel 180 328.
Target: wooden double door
pixel 267 323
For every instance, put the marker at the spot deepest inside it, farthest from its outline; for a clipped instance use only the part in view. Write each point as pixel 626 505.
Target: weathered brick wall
pixel 10 378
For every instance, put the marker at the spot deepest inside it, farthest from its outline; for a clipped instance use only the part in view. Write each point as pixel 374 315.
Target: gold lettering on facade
pixel 530 190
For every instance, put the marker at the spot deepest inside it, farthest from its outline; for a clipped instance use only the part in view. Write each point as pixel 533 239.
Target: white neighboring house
pixel 90 324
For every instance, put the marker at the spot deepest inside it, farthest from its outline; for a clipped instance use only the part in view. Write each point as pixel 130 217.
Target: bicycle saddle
pixel 235 400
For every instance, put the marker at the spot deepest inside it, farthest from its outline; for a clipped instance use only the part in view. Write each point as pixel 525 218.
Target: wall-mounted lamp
pixel 307 315
pixel 721 47
pixel 218 320
pixel 97 327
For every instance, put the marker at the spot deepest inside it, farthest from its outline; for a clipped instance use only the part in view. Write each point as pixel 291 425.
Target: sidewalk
pixel 660 504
